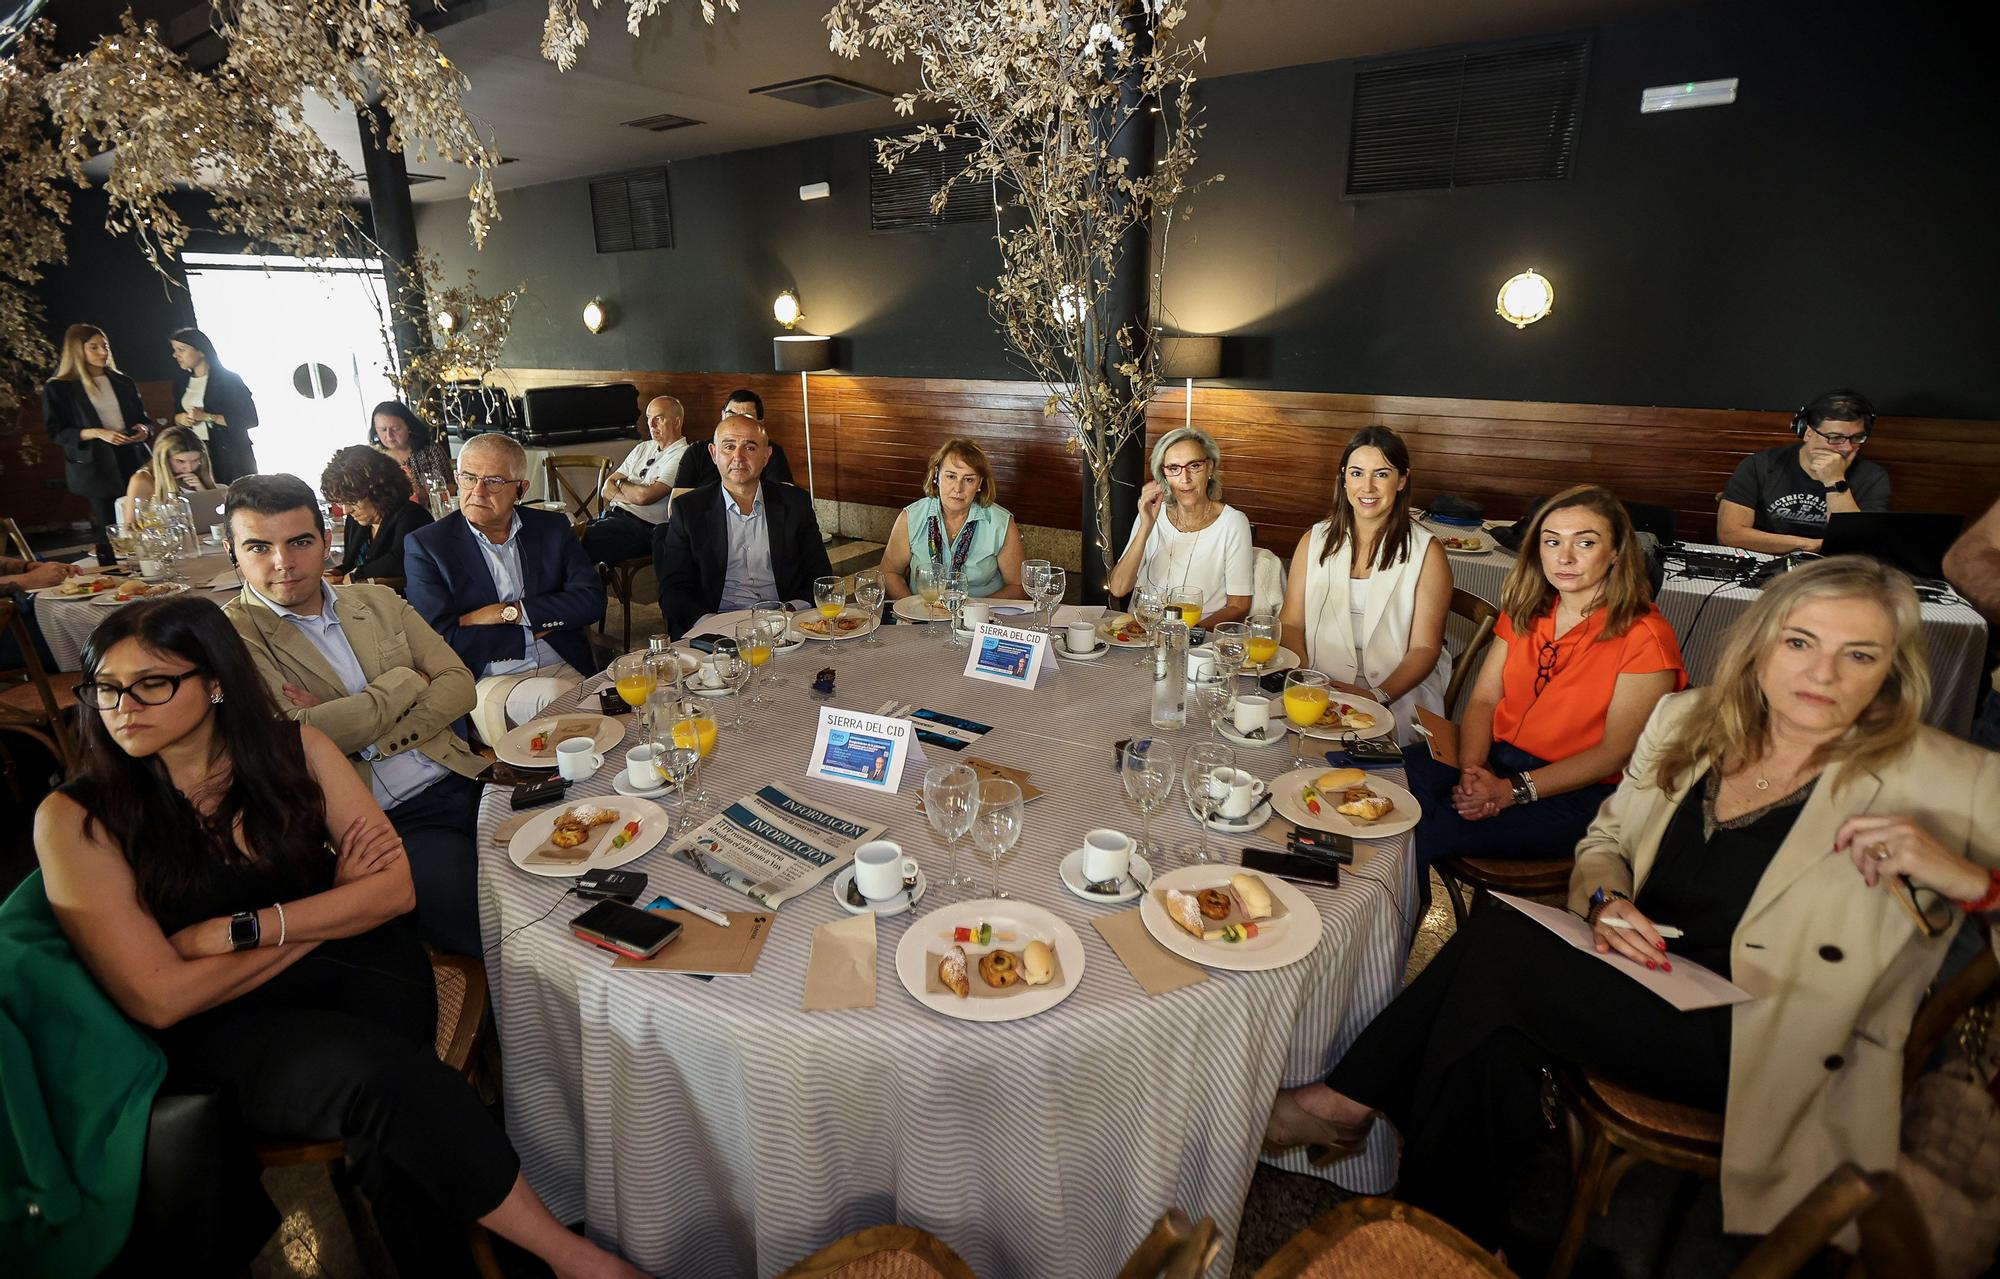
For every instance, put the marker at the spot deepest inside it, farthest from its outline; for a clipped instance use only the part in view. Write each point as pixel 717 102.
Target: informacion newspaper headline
pixel 772 845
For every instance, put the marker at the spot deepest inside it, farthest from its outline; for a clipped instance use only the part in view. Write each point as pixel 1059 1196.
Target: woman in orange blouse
pixel 1580 655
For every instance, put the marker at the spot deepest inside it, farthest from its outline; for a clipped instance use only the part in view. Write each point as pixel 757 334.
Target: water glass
pixel 928 583
pixel 1149 605
pixel 1306 696
pixel 679 767
pixel 754 645
pixel 951 798
pixel 734 672
pixel 1231 642
pixel 996 823
pixel 776 620
pixel 1033 574
pixel 1205 789
pixel 1054 581
pixel 1146 767
pixel 951 593
pixel 869 590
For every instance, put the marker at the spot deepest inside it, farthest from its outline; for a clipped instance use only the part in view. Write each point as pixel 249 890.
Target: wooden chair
pixel 1175 1248
pixel 1894 1239
pixel 883 1252
pixel 619 581
pixel 1465 668
pixel 1381 1239
pixel 15 538
pixel 461 1029
pixel 579 499
pixel 1614 1128
pixel 33 701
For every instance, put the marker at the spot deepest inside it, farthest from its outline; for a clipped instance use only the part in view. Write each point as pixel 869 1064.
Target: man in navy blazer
pixel 737 542
pixel 510 590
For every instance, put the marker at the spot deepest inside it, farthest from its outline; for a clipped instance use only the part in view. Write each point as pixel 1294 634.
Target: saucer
pixel 1063 654
pixel 1071 872
pixel 893 906
pixel 622 783
pixel 1227 730
pixel 1243 825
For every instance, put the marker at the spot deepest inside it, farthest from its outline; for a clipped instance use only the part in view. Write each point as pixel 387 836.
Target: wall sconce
pixel 597 315
pixel 447 321
pixel 786 309
pixel 1526 298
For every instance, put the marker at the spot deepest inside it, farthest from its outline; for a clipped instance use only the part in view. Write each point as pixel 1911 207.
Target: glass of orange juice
pixel 828 595
pixel 754 643
pixel 634 678
pixel 1264 636
pixel 776 620
pixel 694 726
pixel 1306 696
pixel 1188 600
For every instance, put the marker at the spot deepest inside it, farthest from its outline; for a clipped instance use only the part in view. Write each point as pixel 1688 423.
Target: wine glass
pixel 929 584
pixel 951 593
pixel 678 766
pixel 996 822
pixel 125 541
pixel 1231 642
pixel 776 620
pixel 1146 766
pixel 1206 776
pixel 1306 697
pixel 1033 574
pixel 657 715
pixel 868 592
pixel 693 728
pixel 1149 605
pixel 634 678
pixel 1054 581
pixel 828 596
pixel 951 797
pixel 1265 635
pixel 753 643
pixel 1188 600
pixel 734 672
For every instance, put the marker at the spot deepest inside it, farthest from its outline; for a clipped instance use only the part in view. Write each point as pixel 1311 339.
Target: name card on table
pixel 869 751
pixel 1004 655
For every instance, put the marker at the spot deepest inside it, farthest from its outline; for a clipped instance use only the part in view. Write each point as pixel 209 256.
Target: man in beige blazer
pixel 361 666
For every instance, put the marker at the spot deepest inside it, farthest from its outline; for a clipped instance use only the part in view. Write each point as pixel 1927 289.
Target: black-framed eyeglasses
pixel 1929 909
pixel 467 479
pixel 1857 438
pixel 1545 666
pixel 154 690
pixel 1174 470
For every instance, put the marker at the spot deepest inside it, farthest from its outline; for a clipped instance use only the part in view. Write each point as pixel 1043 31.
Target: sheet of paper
pixel 858 749
pixel 1688 987
pixel 1006 655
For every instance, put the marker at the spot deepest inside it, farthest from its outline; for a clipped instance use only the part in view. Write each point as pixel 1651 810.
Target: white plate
pixel 1284 660
pixel 911 608
pixel 1064 655
pixel 998 611
pixel 893 906
pixel 49 592
pixel 1285 797
pixel 623 785
pixel 535 833
pixel 1385 719
pixel 1244 825
pixel 160 590
pixel 1277 943
pixel 1071 871
pixel 512 748
pixel 1108 625
pixel 1273 735
pixel 800 631
pixel 933 933
pixel 1479 535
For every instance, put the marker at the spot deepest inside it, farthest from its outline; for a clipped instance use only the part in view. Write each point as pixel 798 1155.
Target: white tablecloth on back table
pixel 714 1128
pixel 67 623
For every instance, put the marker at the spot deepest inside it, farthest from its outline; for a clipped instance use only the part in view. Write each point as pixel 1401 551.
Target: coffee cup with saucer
pixel 1102 851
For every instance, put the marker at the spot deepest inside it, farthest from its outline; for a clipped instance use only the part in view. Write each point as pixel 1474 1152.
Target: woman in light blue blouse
pixel 959 523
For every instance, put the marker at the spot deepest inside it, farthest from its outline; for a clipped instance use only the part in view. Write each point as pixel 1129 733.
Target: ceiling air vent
pixel 629 211
pixel 661 123
pixel 901 200
pixel 1496 113
pixel 821 91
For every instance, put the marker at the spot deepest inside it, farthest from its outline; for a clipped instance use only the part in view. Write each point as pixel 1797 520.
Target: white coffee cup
pixel 1107 854
pixel 1245 792
pixel 1201 665
pixel 709 676
pixel 577 758
pixel 1251 715
pixel 1081 637
pixel 642 770
pixel 880 868
pixel 151 568
pixel 973 614
pixel 218 533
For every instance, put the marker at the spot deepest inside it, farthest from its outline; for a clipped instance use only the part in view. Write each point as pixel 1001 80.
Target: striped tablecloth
pixel 67 624
pixel 1701 609
pixel 713 1128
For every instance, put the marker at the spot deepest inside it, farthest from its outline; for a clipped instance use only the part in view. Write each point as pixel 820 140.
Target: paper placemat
pixel 1156 969
pixel 709 949
pixel 503 834
pixel 841 972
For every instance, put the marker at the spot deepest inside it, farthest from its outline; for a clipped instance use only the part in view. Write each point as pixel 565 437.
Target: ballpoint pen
pixel 1667 931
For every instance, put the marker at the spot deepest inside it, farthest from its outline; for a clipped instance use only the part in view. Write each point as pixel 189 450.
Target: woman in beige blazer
pixel 1816 843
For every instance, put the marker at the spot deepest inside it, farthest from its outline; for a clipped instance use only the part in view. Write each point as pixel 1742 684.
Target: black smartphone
pixel 612 703
pixel 1289 866
pixel 626 930
pixel 1272 683
pixel 706 642
pixel 611 885
pixel 535 793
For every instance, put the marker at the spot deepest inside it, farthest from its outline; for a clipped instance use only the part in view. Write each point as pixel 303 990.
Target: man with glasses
pixel 1778 500
pixel 510 590
pixel 358 664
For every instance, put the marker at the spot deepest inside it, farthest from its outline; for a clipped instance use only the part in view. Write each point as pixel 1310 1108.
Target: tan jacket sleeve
pixel 352 720
pixel 1604 854
pixel 449 694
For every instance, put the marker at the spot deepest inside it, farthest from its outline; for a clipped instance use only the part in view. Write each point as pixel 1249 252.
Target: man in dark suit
pixel 740 541
pixel 698 467
pixel 510 590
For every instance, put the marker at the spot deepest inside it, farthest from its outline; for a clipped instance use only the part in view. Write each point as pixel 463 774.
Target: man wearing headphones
pixel 1779 500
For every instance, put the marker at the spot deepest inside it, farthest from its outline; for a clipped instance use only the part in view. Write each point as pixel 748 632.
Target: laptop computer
pixel 1914 541
pixel 207 507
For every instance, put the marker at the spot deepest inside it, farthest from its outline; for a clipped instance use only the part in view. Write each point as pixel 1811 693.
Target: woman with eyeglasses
pixel 1793 827
pixel 233 886
pixel 1186 536
pixel 1370 588
pixel 1579 658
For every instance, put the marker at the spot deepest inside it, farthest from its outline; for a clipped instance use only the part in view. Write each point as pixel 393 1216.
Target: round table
pixel 712 1127
pixel 67 623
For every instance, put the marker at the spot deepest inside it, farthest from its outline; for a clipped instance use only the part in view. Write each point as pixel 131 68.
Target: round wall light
pixel 785 308
pixel 596 315
pixel 447 321
pixel 1526 298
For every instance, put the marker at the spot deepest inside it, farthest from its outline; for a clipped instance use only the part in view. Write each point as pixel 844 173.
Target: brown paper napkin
pixel 841 972
pixel 1156 969
pixel 503 834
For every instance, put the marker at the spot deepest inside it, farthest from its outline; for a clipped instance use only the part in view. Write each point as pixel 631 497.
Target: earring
pixel 215 698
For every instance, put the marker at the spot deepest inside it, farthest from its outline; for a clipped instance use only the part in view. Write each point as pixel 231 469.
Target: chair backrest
pixel 1175 1248
pixel 1267 594
pixel 883 1252
pixel 563 481
pixel 461 1002
pixel 50 721
pixel 1894 1239
pixel 1947 1002
pixel 1465 667
pixel 1385 1238
pixel 16 539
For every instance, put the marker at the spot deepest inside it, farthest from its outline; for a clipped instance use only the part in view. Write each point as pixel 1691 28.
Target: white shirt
pixel 652 463
pixel 1215 560
pixel 503 561
pixel 747 578
pixel 104 398
pixel 1358 628
pixel 191 400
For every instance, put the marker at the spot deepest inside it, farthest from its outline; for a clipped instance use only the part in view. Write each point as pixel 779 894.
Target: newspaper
pixel 772 845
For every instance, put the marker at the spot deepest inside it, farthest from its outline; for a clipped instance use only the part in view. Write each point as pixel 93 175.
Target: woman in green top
pixel 958 523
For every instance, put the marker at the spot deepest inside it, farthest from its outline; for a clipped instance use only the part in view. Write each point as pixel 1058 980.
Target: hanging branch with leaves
pixel 465 348
pixel 34 208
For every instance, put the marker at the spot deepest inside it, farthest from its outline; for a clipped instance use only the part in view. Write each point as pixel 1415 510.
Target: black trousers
pixel 342 1044
pixel 617 535
pixel 439 826
pixel 1546 829
pixel 1455 1061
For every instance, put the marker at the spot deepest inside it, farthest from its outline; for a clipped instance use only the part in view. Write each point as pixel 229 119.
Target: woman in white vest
pixel 1369 589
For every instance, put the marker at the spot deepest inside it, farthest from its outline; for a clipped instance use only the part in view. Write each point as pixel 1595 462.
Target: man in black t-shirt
pixel 1778 500
pixel 698 468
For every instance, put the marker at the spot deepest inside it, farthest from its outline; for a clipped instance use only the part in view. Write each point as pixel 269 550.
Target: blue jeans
pixel 1544 830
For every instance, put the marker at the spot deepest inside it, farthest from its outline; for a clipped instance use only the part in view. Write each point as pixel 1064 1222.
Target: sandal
pixel 1348 1139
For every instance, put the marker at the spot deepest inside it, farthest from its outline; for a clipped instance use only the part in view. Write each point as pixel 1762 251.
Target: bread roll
pixel 1251 892
pixel 1038 963
pixel 1340 779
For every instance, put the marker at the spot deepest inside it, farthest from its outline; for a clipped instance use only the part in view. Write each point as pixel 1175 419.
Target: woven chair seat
pixel 1636 1108
pixel 888 1265
pixel 1387 1249
pixel 27 698
pixel 451 1005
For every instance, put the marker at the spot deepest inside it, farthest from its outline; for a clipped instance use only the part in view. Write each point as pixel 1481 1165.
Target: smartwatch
pixel 244 932
pixel 511 613
pixel 1838 486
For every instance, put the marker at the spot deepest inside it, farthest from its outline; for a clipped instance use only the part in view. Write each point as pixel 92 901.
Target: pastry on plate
pixel 1251 892
pixel 951 971
pixel 999 969
pixel 1339 779
pixel 1185 911
pixel 1038 964
pixel 1213 902
pixel 1372 808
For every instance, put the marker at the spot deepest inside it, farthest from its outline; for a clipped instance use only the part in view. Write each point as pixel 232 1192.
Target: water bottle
pixel 1170 656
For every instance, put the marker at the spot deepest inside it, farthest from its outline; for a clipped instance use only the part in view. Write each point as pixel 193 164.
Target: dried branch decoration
pixel 467 351
pixel 34 206
pixel 564 32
